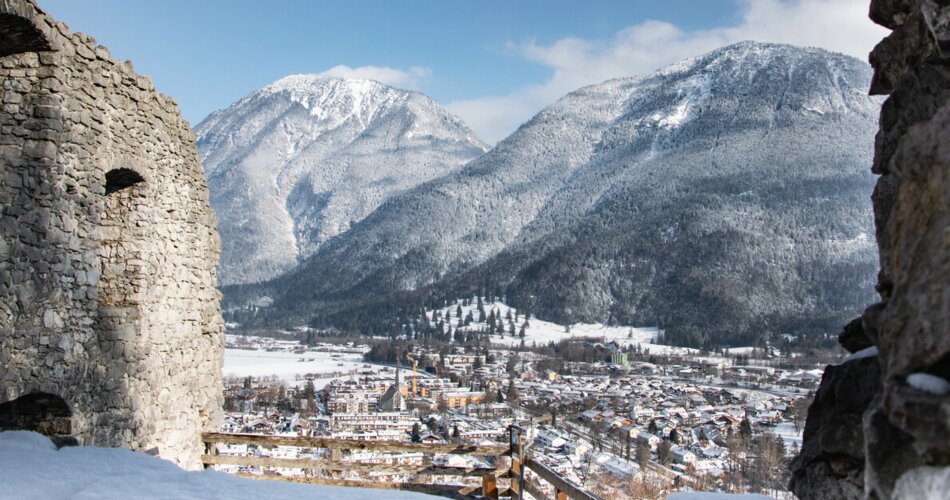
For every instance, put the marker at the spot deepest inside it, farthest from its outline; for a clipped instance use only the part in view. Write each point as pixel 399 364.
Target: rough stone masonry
pixel 880 425
pixel 107 249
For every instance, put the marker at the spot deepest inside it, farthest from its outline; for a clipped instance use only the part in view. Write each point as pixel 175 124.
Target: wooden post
pixel 335 455
pixel 211 448
pixel 489 486
pixel 517 462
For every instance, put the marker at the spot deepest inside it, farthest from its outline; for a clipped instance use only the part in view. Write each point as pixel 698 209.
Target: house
pixel 488 411
pixel 651 440
pixel 429 437
pixel 591 416
pixel 713 451
pixel 682 455
pixel 551 439
pixel 616 466
pixel 619 359
pixel 576 448
pixel 455 400
pixel 642 414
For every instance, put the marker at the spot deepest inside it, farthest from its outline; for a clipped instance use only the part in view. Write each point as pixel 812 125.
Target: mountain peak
pixel 300 160
pixel 316 84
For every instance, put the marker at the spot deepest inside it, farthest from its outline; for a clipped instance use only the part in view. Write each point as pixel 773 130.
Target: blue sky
pixel 493 62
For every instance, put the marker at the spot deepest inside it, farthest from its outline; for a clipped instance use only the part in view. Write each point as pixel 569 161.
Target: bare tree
pixel 643 455
pixel 663 452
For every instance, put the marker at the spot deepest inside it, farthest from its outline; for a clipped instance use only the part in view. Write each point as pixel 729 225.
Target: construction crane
pixel 413 361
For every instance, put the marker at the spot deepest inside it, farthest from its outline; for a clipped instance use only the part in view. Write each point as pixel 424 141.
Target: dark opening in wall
pixel 121 178
pixel 18 35
pixel 41 412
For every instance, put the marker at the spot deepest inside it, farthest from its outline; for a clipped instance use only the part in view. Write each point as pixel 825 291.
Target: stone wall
pixel 880 425
pixel 107 295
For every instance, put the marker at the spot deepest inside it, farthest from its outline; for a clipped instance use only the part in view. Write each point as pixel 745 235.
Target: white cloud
pixel 413 78
pixel 838 25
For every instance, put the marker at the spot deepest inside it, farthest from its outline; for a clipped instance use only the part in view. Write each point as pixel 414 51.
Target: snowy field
pixel 32 468
pixel 293 368
pixel 786 431
pixel 543 332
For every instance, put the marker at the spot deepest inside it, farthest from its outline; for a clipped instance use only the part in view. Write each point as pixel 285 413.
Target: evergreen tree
pixel 512 364
pixel 675 436
pixel 512 391
pixel 416 434
pixel 745 428
pixel 309 391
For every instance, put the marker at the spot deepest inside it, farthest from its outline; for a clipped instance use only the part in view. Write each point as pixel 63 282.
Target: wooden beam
pixel 545 473
pixel 354 444
pixel 334 465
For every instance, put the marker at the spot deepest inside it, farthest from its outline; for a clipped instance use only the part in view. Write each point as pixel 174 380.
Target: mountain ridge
pixel 776 129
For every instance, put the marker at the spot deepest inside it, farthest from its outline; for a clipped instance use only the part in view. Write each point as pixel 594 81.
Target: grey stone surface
pixel 106 300
pixel 905 429
pixel 831 464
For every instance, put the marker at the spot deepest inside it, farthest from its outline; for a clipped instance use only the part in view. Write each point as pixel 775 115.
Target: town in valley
pixel 605 407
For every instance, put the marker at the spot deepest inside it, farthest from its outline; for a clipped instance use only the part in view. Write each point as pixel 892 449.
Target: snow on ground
pixel 32 468
pixel 321 366
pixel 543 332
pixel 786 431
pixel 740 350
pixel 702 495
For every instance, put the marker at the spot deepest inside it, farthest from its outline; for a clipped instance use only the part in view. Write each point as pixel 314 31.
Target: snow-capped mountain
pixel 723 196
pixel 299 161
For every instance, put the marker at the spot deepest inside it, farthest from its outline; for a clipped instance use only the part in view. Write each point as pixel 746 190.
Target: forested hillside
pixel 723 199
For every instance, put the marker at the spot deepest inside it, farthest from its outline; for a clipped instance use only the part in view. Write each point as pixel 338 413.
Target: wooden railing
pixel 562 489
pixel 521 463
pixel 422 477
pixel 503 478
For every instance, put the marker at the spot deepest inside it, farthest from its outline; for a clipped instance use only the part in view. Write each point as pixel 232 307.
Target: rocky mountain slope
pixel 299 161
pixel 878 427
pixel 720 198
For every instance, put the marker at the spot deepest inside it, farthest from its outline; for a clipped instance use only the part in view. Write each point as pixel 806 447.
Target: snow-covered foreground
pixel 701 495
pixel 543 332
pixel 323 366
pixel 32 468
